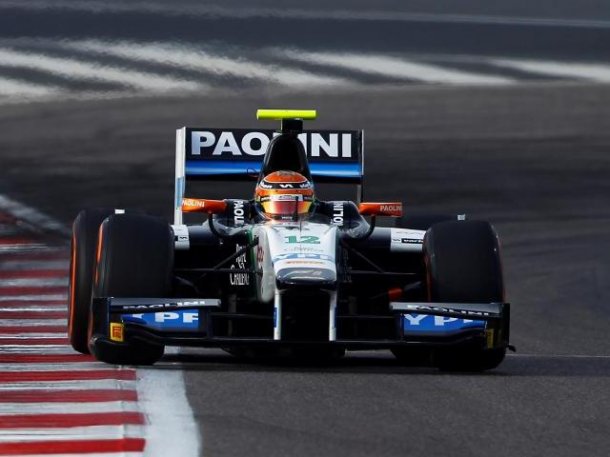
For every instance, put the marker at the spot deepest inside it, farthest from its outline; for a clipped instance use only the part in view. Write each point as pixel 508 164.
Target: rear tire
pixel 463 266
pixel 137 257
pixel 82 263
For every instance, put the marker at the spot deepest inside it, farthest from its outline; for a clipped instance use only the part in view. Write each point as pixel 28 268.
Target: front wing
pixel 192 322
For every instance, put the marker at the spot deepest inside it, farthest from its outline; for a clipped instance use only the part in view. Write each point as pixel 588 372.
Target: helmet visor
pixel 286 205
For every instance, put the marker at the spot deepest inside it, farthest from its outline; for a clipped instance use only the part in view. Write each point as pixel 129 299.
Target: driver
pixel 284 195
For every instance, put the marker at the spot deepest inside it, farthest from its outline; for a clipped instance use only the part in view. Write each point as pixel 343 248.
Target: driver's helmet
pixel 284 195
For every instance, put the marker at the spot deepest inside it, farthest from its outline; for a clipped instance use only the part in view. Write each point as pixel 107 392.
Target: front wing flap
pixel 446 321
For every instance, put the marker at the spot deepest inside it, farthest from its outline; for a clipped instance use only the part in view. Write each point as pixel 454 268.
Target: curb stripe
pixel 73 447
pixel 58 367
pixel 79 407
pixel 25 264
pixel 70 420
pixel 85 375
pixel 45 358
pixel 53 400
pixel 31 335
pixel 21 274
pixel 34 282
pixel 42 297
pixel 16 240
pixel 26 302
pixel 33 290
pixel 34 341
pixel 22 247
pixel 33 323
pixel 14 330
pixel 78 385
pixel 87 432
pixel 26 350
pixel 29 308
pixel 33 314
pixel 66 396
pixel 92 454
pixel 52 254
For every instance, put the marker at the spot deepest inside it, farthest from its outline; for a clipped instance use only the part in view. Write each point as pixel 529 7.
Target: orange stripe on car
pixel 200 205
pixel 393 209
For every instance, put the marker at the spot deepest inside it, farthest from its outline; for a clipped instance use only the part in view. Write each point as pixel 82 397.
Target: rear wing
pixel 334 156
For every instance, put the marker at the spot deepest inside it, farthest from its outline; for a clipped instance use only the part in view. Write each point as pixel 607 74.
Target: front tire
pixel 464 266
pixel 82 263
pixel 136 260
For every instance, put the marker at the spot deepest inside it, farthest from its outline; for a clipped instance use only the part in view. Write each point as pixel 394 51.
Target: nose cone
pixel 315 277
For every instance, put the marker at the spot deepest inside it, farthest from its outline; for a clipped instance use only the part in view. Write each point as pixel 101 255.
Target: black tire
pixel 136 260
pixel 422 220
pixel 82 263
pixel 464 266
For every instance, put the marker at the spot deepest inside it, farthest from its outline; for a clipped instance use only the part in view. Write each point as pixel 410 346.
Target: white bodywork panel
pixel 306 247
pixel 406 240
pixel 181 237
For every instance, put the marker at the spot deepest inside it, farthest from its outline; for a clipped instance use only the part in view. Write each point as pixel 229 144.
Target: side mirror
pixel 392 209
pixel 200 205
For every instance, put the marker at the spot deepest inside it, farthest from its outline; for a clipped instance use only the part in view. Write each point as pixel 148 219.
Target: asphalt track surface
pixel 431 32
pixel 90 48
pixel 532 159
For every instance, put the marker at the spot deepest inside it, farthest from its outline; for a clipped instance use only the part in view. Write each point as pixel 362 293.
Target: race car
pixel 284 273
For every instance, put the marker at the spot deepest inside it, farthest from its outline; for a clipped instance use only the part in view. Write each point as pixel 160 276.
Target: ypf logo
pixel 427 323
pixel 170 320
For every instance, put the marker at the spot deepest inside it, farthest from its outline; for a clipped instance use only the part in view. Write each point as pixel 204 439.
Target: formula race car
pixel 285 273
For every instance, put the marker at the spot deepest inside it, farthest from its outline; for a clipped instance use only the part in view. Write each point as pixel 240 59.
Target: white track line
pixel 21 247
pixel 16 88
pixel 34 308
pixel 29 336
pixel 35 349
pixel 39 297
pixel 591 72
pixel 108 454
pixel 94 71
pixel 162 397
pixel 40 367
pixel 22 282
pixel 31 322
pixel 198 60
pixel 70 385
pixel 394 67
pixel 72 407
pixel 94 432
pixel 17 265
